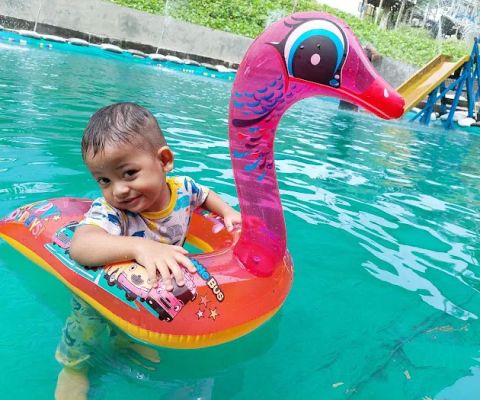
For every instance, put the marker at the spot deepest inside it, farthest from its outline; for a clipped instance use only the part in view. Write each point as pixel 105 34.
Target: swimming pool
pixel 383 227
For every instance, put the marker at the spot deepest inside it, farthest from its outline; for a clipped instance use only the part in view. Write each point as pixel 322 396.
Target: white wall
pixel 350 6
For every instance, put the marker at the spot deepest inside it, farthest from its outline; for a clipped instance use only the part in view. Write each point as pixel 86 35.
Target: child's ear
pixel 165 156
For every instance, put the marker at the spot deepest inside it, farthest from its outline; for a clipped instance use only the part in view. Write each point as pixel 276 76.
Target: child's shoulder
pixel 181 181
pixel 101 203
pixel 185 183
pixel 101 213
pixel 179 178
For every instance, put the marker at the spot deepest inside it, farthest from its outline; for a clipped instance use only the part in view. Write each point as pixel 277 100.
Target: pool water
pixel 383 225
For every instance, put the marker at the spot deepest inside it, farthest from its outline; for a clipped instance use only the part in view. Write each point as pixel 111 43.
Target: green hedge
pixel 249 18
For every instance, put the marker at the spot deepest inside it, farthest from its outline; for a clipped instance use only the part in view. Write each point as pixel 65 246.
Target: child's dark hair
pixel 121 123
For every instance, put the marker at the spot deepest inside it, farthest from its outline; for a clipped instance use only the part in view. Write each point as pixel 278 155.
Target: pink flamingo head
pixel 303 55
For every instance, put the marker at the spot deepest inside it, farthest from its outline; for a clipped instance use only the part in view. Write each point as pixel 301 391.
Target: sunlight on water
pixel 383 226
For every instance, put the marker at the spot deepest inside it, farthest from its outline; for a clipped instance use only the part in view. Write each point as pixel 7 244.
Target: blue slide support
pixel 469 75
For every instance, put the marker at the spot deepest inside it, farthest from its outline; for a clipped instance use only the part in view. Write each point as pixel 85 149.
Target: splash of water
pixel 38 16
pixel 274 16
pixel 166 21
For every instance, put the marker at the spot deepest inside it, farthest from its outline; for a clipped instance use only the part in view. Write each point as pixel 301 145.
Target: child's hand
pixel 215 204
pixel 164 258
pixel 232 218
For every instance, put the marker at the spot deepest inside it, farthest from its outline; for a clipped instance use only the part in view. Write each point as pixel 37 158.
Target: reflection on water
pixel 383 226
pixel 412 230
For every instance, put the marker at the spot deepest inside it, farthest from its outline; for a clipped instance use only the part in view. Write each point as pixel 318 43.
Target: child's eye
pixel 103 181
pixel 130 173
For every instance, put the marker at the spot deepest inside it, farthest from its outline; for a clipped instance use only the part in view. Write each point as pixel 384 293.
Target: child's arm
pixel 93 246
pixel 215 204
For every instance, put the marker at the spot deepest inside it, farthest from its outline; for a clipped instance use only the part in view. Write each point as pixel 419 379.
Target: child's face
pixel 132 178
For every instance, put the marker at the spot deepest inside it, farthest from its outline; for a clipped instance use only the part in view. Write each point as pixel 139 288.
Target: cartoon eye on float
pixel 315 51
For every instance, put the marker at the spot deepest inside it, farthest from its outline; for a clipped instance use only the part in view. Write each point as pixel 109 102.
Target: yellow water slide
pixel 420 84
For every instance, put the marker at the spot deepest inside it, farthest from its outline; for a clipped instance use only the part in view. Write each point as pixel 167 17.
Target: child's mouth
pixel 130 202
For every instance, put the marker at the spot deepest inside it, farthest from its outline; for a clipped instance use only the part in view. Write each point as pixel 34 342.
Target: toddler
pixel 143 215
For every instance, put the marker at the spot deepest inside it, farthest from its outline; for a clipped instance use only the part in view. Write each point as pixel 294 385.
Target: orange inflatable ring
pixel 42 231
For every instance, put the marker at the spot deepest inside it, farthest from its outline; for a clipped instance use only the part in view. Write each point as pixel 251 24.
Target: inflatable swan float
pixel 243 277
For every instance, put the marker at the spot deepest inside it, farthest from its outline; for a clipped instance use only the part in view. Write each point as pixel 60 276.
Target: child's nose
pixel 120 189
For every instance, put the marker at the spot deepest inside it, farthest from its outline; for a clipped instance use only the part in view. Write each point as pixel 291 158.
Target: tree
pixel 400 13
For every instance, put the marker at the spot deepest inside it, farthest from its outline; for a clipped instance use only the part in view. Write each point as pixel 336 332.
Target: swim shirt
pixel 167 226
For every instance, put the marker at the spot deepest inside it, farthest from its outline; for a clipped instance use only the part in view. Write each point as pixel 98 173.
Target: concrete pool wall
pixel 104 22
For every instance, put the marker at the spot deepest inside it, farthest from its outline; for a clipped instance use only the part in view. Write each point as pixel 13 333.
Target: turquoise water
pixel 383 225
